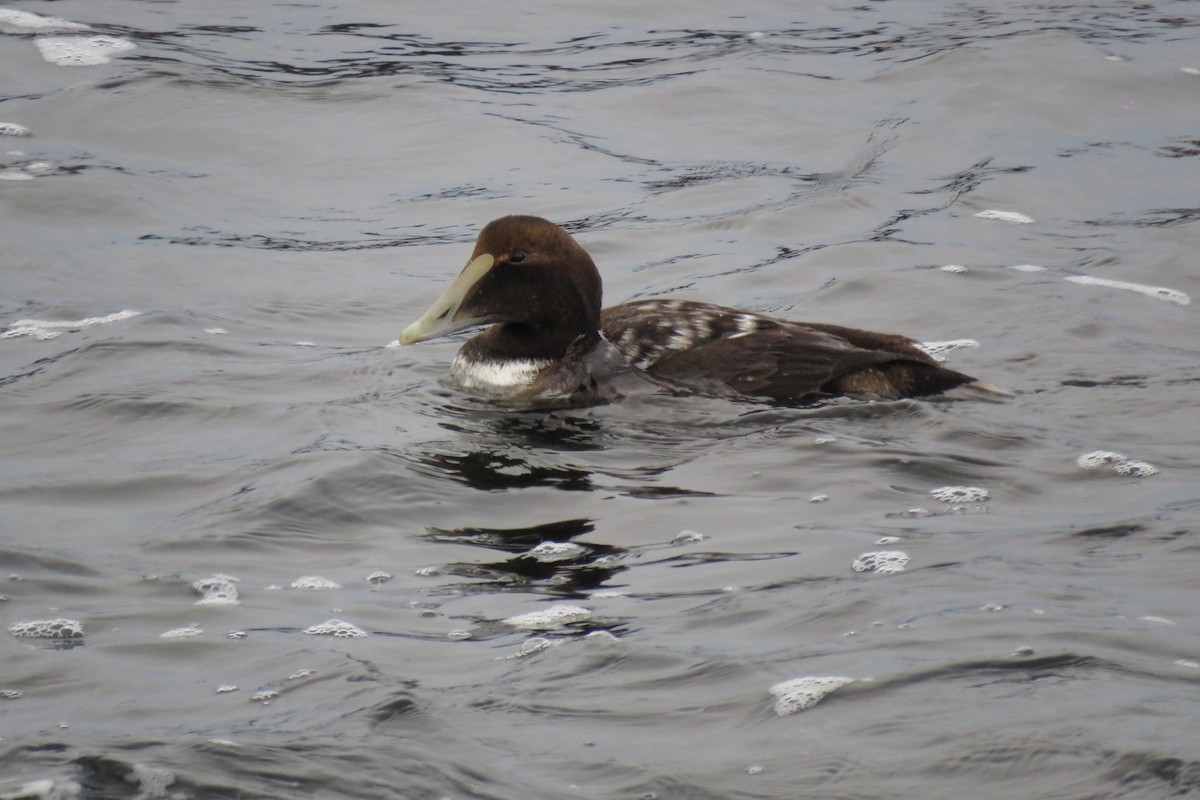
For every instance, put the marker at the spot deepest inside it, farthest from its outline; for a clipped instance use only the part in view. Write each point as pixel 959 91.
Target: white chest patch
pixel 497 377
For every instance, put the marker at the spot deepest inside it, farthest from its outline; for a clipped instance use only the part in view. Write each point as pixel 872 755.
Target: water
pixel 221 489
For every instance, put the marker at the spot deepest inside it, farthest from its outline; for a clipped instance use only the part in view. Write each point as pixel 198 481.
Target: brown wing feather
pixel 717 349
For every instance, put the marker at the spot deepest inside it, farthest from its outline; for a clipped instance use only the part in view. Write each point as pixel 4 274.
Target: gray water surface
pixel 277 189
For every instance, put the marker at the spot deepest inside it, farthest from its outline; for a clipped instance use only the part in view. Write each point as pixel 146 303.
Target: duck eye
pixel 516 257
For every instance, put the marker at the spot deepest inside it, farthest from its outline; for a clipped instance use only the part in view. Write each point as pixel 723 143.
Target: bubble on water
pixel 216 331
pixel 1157 292
pixel 688 537
pixel 314 583
pixel 1135 469
pixel 1028 267
pixel 1015 217
pixel 887 541
pixel 217 590
pixel 48 329
pixel 818 498
pixel 956 269
pixel 1184 662
pixel 1158 620
pixel 1024 651
pixel 991 607
pixel 14 20
pixel 376 578
pixel 825 439
pixel 1099 459
pixel 226 688
pixel 938 350
pixel 607 594
pixel 883 562
pixel 959 494
pixel 427 572
pixel 82 51
pixel 336 628
pixel 186 632
pixel 301 674
pixel 10 694
pixel 264 696
pixel 555 616
pixel 237 635
pixel 533 645
pixel 59 628
pixel 556 551
pixel 13 129
pixel 800 694
pixel 458 635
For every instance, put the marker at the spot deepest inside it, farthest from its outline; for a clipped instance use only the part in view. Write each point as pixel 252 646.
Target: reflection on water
pixel 570 570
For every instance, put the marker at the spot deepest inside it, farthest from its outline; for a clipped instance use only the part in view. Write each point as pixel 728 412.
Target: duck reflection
pixel 537 554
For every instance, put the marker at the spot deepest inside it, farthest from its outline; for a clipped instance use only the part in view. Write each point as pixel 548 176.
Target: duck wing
pixel 717 349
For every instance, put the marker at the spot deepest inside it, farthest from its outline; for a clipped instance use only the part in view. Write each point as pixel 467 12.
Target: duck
pixel 549 340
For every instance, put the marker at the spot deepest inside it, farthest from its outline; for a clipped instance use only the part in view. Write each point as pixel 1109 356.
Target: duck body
pixel 551 341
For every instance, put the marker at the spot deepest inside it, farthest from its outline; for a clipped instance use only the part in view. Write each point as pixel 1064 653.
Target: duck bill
pixel 442 317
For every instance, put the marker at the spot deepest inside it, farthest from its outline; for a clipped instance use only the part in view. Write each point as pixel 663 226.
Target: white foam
pixel 1015 217
pixel 13 20
pixel 534 645
pixel 186 632
pixel 1157 292
pixel 48 329
pixel 1126 467
pixel 1028 267
pixel 219 590
pixel 800 694
pixel 82 51
pixel 379 577
pixel 1135 469
pixel 13 129
pixel 957 269
pixel 556 551
pixel 314 583
pixel 1099 458
pixel 688 537
pixel 336 628
pixel 883 562
pixel 938 350
pixel 58 628
pixel 959 494
pixel 553 617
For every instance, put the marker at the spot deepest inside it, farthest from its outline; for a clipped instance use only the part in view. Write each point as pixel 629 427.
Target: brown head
pixel 527 274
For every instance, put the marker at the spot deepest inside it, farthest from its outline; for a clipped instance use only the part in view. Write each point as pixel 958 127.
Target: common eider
pixel 550 340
